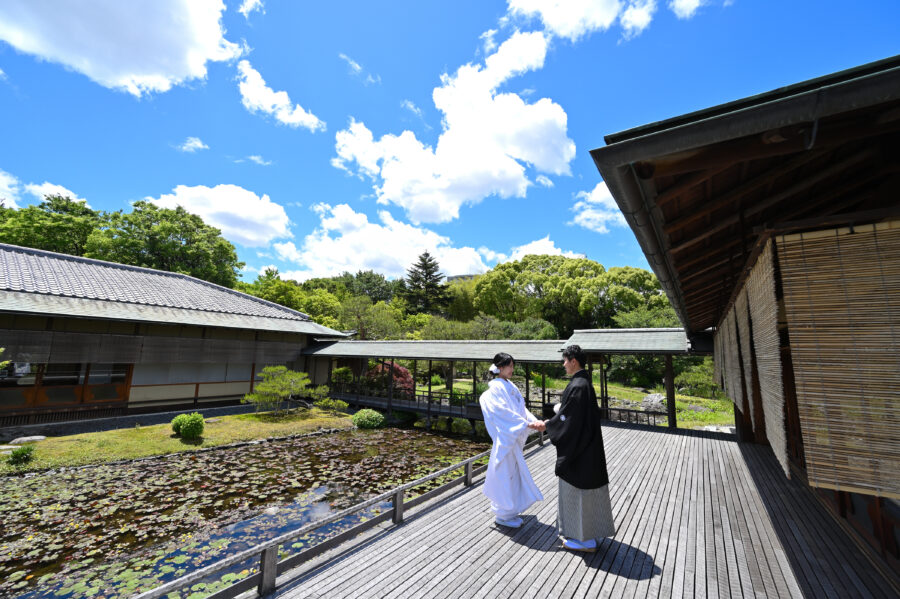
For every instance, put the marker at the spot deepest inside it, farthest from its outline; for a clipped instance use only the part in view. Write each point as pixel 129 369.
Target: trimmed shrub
pixel 332 405
pixel 436 380
pixel 21 455
pixel 192 427
pixel 177 423
pixel 367 418
pixel 342 375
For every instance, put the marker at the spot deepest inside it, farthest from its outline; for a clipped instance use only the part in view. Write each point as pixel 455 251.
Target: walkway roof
pixel 464 350
pixel 606 341
pixel 631 341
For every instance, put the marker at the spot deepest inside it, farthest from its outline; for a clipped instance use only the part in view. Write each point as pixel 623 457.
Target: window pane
pixel 63 374
pixel 108 373
pixel 18 374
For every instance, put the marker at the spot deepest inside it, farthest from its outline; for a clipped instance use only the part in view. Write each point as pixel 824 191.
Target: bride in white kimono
pixel 508 483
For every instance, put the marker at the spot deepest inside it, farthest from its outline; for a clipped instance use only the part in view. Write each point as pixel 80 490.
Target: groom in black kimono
pixel 585 512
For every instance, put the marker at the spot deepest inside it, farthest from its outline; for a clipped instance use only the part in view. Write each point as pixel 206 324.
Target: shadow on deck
pixel 697 515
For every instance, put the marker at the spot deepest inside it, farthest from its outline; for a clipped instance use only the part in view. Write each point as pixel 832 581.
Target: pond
pixel 118 529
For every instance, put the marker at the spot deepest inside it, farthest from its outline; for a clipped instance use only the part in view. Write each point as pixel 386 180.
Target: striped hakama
pixel 584 514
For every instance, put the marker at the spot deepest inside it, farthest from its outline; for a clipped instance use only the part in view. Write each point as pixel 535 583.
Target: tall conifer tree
pixel 425 291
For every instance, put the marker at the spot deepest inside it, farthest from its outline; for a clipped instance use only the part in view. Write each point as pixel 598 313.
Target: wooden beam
pixel 686 183
pixel 791 190
pixel 733 194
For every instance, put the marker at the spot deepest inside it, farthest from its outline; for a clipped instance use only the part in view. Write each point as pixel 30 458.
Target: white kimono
pixel 508 483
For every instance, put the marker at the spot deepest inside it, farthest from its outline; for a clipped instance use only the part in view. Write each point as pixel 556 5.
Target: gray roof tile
pixel 48 273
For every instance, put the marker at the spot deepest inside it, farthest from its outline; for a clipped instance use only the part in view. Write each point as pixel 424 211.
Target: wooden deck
pixel 698 515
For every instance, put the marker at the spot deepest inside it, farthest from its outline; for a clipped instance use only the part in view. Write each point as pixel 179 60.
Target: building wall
pixel 57 364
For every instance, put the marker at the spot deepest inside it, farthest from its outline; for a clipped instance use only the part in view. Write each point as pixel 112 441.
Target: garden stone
pixel 654 402
pixel 31 439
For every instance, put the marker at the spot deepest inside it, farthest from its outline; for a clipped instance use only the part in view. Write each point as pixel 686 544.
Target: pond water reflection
pixel 114 530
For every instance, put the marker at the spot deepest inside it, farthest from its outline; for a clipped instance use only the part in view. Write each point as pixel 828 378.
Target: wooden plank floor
pixel 697 515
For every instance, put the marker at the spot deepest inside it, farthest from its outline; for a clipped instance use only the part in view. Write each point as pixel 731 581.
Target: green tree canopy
pixel 425 291
pixel 166 239
pixel 560 290
pixel 461 305
pixel 58 224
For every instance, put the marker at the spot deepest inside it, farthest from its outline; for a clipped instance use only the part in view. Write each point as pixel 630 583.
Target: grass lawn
pixel 145 441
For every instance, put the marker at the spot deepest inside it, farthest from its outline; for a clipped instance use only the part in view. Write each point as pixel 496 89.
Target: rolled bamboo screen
pixel 842 300
pixel 732 361
pixel 742 316
pixel 718 358
pixel 763 306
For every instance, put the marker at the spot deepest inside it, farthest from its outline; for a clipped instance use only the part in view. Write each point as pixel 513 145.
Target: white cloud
pixel 192 144
pixel 685 9
pixel 9 189
pixel 571 19
pixel 637 17
pixel 488 41
pixel 490 255
pixel 488 140
pixel 543 181
pixel 258 97
pixel 241 215
pixel 540 247
pixel 136 47
pixel 259 160
pixel 2 75
pixel 357 69
pixel 51 189
pixel 597 209
pixel 411 107
pixel 345 240
pixel 248 6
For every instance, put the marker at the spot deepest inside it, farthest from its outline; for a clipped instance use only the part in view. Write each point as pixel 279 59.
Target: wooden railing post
pixel 268 568
pixel 541 439
pixel 670 392
pixel 398 507
pixel 469 474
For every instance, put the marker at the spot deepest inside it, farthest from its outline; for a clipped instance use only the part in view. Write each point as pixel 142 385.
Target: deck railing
pixel 267 553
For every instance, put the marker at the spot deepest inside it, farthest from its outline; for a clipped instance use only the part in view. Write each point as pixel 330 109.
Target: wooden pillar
pixel 670 392
pixel 428 399
pixel 450 377
pixel 474 381
pixel 415 391
pixel 604 381
pixel 590 369
pixel 391 389
pixel 543 387
pixel 528 387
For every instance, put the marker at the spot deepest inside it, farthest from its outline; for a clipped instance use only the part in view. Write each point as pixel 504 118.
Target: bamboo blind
pixel 742 317
pixel 732 361
pixel 763 307
pixel 842 301
pixel 718 358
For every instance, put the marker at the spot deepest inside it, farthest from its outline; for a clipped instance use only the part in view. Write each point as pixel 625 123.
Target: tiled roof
pixel 38 281
pixel 49 273
pixel 631 341
pixel 466 350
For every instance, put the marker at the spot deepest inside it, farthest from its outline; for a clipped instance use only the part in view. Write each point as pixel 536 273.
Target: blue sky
pixel 322 137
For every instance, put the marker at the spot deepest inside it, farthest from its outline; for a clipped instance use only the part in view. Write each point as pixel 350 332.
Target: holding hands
pixel 538 425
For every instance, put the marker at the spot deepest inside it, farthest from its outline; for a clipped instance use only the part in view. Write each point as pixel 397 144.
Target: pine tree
pixel 425 291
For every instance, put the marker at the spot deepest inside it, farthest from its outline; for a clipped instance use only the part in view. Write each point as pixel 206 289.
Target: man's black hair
pixel 574 352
